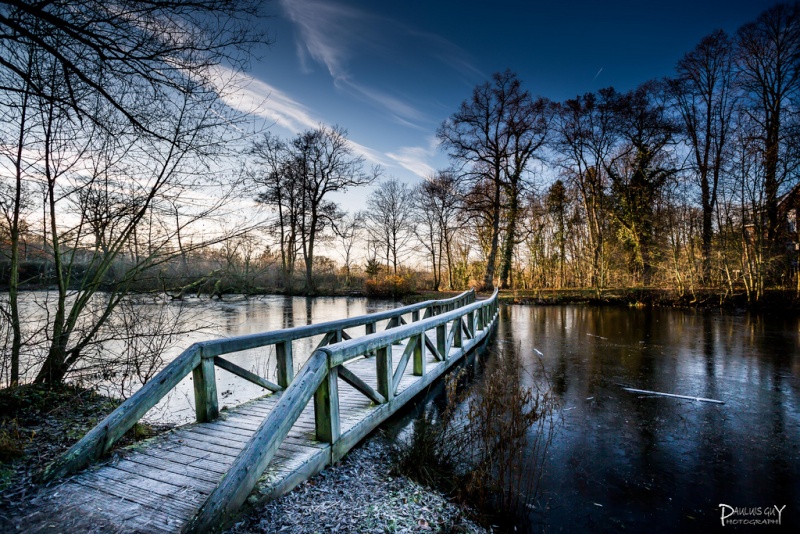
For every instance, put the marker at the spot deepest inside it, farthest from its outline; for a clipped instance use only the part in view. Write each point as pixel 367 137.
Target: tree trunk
pixel 488 279
pixel 510 239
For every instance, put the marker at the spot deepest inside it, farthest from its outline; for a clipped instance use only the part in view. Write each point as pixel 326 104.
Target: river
pixel 621 462
pixel 624 462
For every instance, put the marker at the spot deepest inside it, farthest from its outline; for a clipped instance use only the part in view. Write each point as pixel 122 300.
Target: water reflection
pixel 627 462
pixel 210 319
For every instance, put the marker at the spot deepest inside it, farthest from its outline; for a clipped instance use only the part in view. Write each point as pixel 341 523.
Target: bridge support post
pixel 419 355
pixel 441 340
pixel 383 366
pixel 205 390
pixel 471 324
pixel 326 407
pixel 457 324
pixel 283 352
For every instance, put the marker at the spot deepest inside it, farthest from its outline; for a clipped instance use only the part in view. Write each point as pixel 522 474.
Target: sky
pixel 391 72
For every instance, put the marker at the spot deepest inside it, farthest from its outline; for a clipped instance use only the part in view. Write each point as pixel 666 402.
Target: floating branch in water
pixel 537 351
pixel 646 392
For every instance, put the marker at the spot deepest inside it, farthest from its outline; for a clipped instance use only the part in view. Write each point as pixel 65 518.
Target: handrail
pixel 353 348
pixel 319 378
pixel 200 359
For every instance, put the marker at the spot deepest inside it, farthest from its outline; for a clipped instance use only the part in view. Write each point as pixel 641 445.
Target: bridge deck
pixel 159 486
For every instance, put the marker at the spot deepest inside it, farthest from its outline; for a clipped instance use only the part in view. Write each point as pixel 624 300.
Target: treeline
pixel 123 172
pixel 685 183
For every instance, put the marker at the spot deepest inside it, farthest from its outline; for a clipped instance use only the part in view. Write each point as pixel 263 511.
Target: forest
pixel 125 173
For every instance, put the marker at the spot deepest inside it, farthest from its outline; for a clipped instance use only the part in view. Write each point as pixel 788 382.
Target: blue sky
pixel 391 72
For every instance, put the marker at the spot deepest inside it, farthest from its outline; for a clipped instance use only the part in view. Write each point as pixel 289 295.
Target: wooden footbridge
pixel 195 478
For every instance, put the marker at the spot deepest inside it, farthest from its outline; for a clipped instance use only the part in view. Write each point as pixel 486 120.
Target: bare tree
pixel 276 173
pixel 390 222
pixel 494 134
pixel 349 230
pixel 769 73
pixel 704 95
pixel 120 115
pixel 584 141
pixel 439 214
pixel 324 163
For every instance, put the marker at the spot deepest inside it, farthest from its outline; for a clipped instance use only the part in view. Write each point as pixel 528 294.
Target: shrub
pixel 488 445
pixel 389 286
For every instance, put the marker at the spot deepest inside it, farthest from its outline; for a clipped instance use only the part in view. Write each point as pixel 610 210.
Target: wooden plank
pixel 253 460
pixel 101 438
pixel 152 513
pixel 179 502
pixel 434 350
pixel 162 476
pixel 244 373
pixel 190 457
pixel 177 468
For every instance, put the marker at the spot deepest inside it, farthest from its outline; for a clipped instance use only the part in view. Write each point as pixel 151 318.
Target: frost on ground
pixel 359 495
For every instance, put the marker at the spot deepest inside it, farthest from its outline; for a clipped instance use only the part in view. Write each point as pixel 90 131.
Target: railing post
pixel 415 316
pixel 441 340
pixel 326 407
pixel 419 356
pixel 283 352
pixel 457 335
pixel 480 318
pixel 383 365
pixel 205 389
pixel 471 324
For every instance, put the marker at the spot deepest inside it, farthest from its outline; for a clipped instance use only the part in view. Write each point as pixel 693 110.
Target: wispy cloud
pixel 247 94
pixel 333 35
pixel 416 158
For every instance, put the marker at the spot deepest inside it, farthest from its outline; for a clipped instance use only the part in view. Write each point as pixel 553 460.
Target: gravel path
pixel 359 494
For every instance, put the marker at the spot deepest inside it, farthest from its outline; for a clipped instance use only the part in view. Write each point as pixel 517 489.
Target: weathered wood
pixel 434 350
pixel 284 426
pixel 102 437
pixel 205 390
pixel 361 386
pixel 244 373
pixel 441 340
pixel 383 367
pixel 326 340
pixel 402 364
pixel 285 363
pixel 419 355
pixel 326 408
pixel 451 335
pixel 251 462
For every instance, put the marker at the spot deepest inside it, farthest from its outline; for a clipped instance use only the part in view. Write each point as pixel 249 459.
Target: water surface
pixel 631 463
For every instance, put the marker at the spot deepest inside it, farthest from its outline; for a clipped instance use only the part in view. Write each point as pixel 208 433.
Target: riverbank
pixel 39 423
pixel 772 300
pixel 358 494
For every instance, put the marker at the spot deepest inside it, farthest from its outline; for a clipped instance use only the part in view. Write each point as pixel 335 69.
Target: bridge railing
pixel 201 358
pixel 457 331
